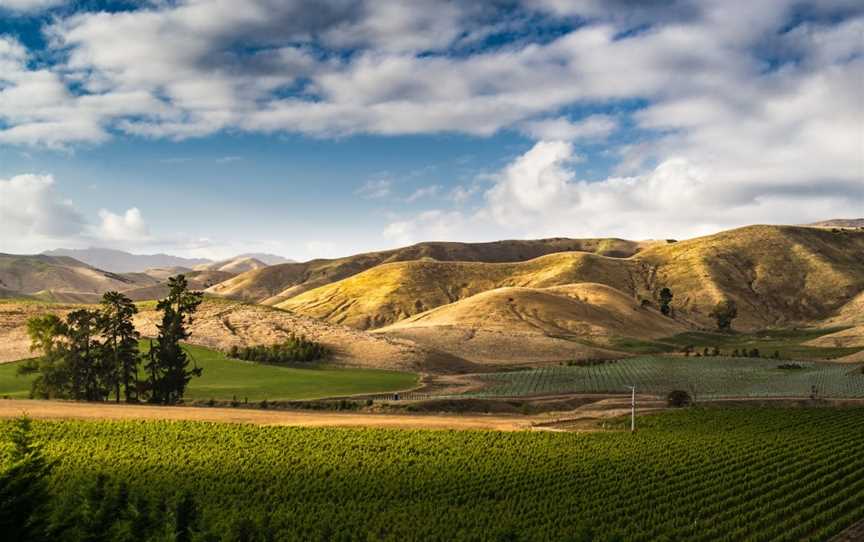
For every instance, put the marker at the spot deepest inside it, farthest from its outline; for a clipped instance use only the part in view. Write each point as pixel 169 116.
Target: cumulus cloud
pixel 540 194
pixel 29 6
pixel 32 209
pixel 129 226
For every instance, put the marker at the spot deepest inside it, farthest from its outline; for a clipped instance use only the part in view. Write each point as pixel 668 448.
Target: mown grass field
pixel 226 379
pixel 696 474
pixel 789 343
pixel 703 377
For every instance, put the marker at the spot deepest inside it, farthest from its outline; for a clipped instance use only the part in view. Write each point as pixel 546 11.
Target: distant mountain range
pixel 840 223
pixel 119 261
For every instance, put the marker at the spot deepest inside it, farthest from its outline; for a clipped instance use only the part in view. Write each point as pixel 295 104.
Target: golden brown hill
pixel 198 280
pixel 778 275
pixel 14 313
pixel 163 273
pixel 514 324
pixel 391 292
pixel 221 324
pixel 277 283
pixel 234 266
pixel 46 274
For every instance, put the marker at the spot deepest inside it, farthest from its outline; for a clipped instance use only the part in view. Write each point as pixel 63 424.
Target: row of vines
pixel 704 378
pixel 737 474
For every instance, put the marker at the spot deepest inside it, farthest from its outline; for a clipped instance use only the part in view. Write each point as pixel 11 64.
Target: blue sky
pixel 309 129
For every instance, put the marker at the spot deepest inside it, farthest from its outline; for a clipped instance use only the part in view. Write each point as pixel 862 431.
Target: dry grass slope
pixel 778 275
pixel 221 324
pixel 278 283
pixel 234 266
pixel 391 292
pixel 514 324
pixel 46 274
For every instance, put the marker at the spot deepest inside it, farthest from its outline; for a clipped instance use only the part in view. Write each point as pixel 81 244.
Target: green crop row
pixel 704 378
pixel 697 474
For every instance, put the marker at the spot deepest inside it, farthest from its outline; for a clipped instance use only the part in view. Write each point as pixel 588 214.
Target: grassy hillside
pixel 234 266
pixel 515 324
pixel 778 275
pixel 280 282
pixel 391 292
pixel 220 324
pixel 45 274
pixel 225 379
pixel 198 280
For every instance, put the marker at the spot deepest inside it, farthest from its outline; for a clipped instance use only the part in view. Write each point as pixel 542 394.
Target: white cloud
pixel 31 211
pixel 376 188
pixel 593 127
pixel 433 225
pixel 533 184
pixel 129 226
pixel 29 6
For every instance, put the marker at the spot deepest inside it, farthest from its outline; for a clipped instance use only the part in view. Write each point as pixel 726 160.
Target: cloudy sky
pixel 315 128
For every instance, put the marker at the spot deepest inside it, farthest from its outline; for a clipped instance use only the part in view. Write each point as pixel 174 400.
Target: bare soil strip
pixel 855 533
pixel 59 410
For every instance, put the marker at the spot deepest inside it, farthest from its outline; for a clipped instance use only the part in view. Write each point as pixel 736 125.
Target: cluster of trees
pixel 724 313
pixel 30 511
pixel 742 353
pixel 94 353
pixel 295 348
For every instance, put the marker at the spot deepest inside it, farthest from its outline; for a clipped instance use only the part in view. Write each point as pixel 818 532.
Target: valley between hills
pixel 463 307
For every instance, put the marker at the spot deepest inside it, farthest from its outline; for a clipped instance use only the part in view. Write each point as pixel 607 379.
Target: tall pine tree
pixel 168 364
pixel 121 343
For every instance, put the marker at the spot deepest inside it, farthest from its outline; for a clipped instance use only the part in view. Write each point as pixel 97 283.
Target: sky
pixel 321 128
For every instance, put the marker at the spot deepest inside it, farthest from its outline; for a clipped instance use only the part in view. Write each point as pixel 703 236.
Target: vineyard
pixel 736 474
pixel 704 378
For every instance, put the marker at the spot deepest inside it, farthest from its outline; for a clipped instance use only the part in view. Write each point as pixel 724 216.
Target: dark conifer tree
pixel 168 363
pixel 121 343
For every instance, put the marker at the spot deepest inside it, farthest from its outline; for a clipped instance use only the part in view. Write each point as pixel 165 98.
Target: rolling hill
pixel 221 324
pixel 778 275
pixel 391 292
pixel 198 280
pixel 278 283
pixel 235 266
pixel 516 324
pixel 59 276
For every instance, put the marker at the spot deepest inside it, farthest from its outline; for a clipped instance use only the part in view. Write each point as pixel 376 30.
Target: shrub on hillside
pixel 678 399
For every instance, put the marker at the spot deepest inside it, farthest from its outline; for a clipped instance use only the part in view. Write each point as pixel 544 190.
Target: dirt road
pixel 58 410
